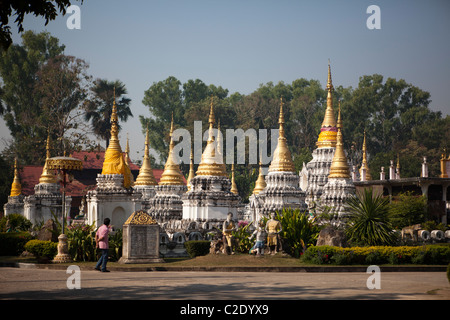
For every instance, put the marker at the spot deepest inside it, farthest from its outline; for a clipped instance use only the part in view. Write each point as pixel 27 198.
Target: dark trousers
pixel 103 260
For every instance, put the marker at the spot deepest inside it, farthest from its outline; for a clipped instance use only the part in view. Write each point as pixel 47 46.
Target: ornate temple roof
pixel 16 187
pixel 339 167
pixel 146 177
pixel 114 162
pixel 328 132
pixel 282 159
pixel 172 174
pixel 211 163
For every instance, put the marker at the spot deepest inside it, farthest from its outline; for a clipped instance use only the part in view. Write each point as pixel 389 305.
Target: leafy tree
pixel 21 107
pixel 19 8
pixel 407 209
pixel 99 107
pixel 63 87
pixel 368 220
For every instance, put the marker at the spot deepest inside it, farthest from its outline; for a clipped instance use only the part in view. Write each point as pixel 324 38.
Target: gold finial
pixel 146 177
pixel 47 176
pixel 234 188
pixel 282 159
pixel 172 174
pixel 191 171
pixel 114 162
pixel 364 164
pixel 328 132
pixel 260 183
pixel 339 166
pixel 211 163
pixel 16 187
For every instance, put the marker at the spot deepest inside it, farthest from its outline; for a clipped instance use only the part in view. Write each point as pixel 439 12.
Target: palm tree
pixel 99 109
pixel 368 220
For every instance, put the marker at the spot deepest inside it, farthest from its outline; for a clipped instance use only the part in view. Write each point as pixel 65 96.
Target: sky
pixel 241 44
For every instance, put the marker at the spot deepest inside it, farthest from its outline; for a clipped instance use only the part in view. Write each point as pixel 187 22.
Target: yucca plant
pixel 368 220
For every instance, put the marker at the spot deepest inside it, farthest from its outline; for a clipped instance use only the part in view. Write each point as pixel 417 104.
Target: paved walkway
pixel 20 283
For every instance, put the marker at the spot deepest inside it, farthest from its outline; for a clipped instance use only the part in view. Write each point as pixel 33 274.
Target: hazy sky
pixel 240 44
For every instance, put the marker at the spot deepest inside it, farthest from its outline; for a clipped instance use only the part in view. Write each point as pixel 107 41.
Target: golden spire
pixel 328 132
pixel 364 164
pixel 16 187
pixel 339 167
pixel 146 177
pixel 191 171
pixel 211 163
pixel 234 188
pixel 47 176
pixel 114 162
pixel 282 159
pixel 172 174
pixel 260 183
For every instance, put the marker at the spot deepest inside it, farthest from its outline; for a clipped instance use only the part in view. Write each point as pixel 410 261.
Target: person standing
pixel 101 239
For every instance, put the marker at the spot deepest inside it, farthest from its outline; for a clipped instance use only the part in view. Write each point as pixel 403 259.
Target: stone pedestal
pixel 140 239
pixel 63 250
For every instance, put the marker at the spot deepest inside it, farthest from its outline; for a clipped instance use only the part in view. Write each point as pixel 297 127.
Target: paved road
pixel 19 283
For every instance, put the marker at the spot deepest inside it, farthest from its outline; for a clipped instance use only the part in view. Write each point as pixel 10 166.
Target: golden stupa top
pixel 282 159
pixel 146 177
pixel 339 166
pixel 47 176
pixel 260 183
pixel 191 171
pixel 328 132
pixel 114 162
pixel 16 187
pixel 211 163
pixel 172 174
pixel 364 164
pixel 234 188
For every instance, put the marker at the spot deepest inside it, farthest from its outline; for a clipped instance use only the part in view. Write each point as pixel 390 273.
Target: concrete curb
pixel 150 268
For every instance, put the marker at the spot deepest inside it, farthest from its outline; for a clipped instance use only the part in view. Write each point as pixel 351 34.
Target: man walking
pixel 101 239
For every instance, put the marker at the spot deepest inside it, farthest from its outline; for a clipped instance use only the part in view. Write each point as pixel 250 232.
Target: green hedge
pixel 197 248
pixel 12 243
pixel 430 254
pixel 42 250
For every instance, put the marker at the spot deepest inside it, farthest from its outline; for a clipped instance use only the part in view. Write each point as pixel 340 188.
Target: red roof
pixel 83 180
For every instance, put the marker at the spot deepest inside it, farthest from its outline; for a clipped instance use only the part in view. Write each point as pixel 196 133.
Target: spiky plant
pixel 368 221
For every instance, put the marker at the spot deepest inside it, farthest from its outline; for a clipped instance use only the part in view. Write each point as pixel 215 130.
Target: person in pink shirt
pixel 101 238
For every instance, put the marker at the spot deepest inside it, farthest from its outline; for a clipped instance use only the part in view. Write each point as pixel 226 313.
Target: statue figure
pixel 228 227
pixel 261 235
pixel 273 228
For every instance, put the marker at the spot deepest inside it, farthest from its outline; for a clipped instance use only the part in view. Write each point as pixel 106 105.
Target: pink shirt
pixel 102 234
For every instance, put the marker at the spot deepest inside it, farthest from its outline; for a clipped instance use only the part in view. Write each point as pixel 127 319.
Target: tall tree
pixel 21 106
pixel 63 87
pixel 99 107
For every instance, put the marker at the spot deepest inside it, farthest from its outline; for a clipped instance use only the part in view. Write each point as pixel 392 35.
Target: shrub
pixel 81 240
pixel 14 223
pixel 197 248
pixel 298 231
pixel 243 243
pixel 407 209
pixel 431 254
pixel 368 220
pixel 115 245
pixel 42 250
pixel 12 244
